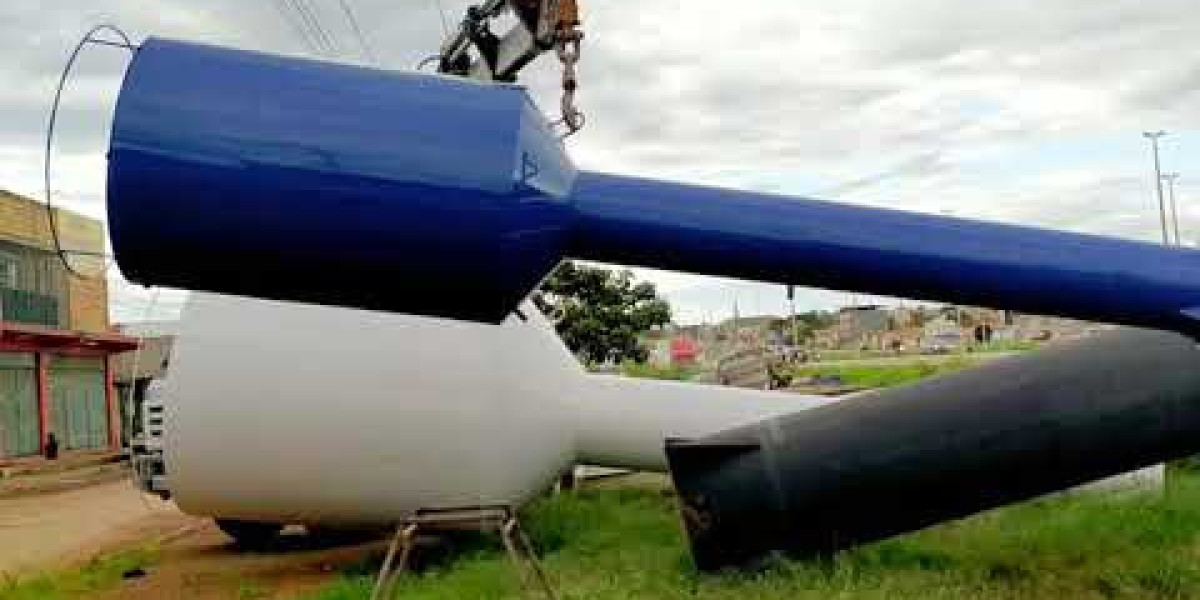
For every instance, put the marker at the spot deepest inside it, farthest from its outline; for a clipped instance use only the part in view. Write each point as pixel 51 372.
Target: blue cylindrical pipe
pixel 767 237
pixel 259 175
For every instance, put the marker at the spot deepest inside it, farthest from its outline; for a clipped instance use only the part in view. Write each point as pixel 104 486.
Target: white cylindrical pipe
pixel 623 422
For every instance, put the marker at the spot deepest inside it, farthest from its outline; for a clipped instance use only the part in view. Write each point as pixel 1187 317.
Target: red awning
pixel 24 337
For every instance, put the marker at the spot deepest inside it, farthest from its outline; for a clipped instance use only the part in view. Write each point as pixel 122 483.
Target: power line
pixel 331 40
pixel 358 33
pixel 322 32
pixel 313 23
pixel 298 27
pixel 304 24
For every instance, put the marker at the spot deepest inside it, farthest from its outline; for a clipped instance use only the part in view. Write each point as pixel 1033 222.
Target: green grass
pixel 1007 346
pixel 619 544
pixel 883 375
pixel 833 355
pixel 97 575
pixel 649 371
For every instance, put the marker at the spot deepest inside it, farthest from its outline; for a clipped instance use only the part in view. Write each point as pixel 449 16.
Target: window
pixel 8 270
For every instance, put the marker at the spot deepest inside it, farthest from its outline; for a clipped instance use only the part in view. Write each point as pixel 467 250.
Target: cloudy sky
pixel 1023 111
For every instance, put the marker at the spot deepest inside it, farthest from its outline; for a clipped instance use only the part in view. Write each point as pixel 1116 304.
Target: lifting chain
pixel 568 38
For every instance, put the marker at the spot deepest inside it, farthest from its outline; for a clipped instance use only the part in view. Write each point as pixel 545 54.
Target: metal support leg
pixel 485 518
pixel 521 551
pixel 404 539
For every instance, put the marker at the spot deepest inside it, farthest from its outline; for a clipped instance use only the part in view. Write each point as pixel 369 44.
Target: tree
pixel 599 312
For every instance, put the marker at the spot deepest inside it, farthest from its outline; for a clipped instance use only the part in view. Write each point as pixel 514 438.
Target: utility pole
pixel 1171 178
pixel 1158 179
pixel 791 293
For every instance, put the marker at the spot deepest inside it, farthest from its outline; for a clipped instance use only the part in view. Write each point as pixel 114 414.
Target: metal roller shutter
pixel 18 406
pixel 80 419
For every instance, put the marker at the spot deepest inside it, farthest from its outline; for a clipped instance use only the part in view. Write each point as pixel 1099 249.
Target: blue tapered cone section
pixel 259 175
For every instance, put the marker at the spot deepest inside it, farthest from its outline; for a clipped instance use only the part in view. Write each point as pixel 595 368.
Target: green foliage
pixel 620 543
pixel 599 312
pixel 649 371
pixel 884 375
pixel 99 574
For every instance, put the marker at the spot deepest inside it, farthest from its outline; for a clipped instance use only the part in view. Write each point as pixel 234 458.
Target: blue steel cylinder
pixel 259 175
pixel 246 173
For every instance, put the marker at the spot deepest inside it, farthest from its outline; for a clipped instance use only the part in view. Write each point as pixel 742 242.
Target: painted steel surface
pixel 623 422
pixel 277 177
pixel 292 179
pixel 786 239
pixel 288 412
pixel 900 459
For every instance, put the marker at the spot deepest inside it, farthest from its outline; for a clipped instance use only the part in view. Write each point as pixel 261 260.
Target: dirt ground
pixel 203 565
pixel 197 562
pixel 42 531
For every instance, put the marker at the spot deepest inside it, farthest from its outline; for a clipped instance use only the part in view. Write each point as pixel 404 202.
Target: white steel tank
pixel 283 412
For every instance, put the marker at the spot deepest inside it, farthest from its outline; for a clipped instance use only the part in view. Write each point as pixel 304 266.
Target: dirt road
pixel 196 561
pixel 45 530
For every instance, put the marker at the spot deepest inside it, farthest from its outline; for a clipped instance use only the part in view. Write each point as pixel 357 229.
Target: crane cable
pixel 441 10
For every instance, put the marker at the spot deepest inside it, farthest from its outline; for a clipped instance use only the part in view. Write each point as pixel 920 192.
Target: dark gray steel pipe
pixel 812 483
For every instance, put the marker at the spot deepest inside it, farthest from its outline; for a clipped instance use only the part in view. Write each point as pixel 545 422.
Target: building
pixel 857 328
pixel 898 340
pixel 685 351
pixel 55 344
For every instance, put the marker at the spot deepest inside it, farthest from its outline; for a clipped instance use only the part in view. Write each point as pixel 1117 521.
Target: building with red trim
pixel 56 375
pixel 685 351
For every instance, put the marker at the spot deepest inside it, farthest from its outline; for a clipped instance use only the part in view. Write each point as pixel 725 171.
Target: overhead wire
pixel 310 16
pixel 368 52
pixel 303 24
pixel 297 26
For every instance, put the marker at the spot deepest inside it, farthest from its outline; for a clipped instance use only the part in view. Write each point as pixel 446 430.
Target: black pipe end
pixel 728 506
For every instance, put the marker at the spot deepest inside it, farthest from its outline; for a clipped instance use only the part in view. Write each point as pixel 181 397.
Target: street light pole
pixel 1171 178
pixel 1162 205
pixel 791 294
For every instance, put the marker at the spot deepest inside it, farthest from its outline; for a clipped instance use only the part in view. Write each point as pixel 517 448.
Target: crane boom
pixel 476 51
